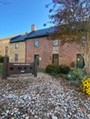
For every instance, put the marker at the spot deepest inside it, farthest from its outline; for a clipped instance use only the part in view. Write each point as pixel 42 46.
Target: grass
pixel 1 68
pixel 41 70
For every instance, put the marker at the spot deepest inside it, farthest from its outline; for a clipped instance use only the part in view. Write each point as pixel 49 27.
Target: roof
pixel 18 38
pixel 40 33
pixel 33 34
pixel 7 38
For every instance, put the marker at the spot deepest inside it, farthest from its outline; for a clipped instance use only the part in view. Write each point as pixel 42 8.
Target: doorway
pixel 80 63
pixel 36 58
pixel 55 59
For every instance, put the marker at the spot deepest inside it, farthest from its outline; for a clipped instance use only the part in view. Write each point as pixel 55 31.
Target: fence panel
pixel 18 68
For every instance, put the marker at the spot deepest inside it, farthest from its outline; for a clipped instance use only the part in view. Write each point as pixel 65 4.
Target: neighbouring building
pixel 4 46
pixel 17 49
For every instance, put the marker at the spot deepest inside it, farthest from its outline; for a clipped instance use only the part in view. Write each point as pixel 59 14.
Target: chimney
pixel 33 27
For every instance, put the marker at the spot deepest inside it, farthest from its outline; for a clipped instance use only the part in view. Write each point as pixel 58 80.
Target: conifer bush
pixel 52 69
pixel 1 59
pixel 64 69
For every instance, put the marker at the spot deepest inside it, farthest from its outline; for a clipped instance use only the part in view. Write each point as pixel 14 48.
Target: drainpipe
pixel 26 51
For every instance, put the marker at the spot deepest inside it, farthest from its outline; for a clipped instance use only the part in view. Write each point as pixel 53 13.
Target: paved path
pixel 43 97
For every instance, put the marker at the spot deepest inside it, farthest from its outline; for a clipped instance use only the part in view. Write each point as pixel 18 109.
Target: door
pixel 55 59
pixel 80 61
pixel 36 58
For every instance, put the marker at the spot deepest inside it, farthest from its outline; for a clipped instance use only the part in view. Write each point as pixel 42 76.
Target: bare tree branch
pixel 72 21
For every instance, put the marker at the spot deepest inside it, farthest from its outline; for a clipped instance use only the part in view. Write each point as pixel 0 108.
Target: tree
pixel 72 19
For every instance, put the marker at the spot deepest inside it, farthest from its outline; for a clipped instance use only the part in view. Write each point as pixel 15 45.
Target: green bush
pixel 52 69
pixel 1 59
pixel 55 69
pixel 64 69
pixel 1 68
pixel 75 74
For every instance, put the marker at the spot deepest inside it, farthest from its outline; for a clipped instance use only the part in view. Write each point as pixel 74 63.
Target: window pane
pixel 36 43
pixel 16 45
pixel 55 42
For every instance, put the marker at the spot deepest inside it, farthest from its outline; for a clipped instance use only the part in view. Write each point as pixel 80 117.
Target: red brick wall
pixel 67 52
pixel 44 50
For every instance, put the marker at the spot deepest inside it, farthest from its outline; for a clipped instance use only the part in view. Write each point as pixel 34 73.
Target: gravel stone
pixel 43 97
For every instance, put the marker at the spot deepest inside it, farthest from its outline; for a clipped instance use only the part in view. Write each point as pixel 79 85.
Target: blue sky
pixel 18 16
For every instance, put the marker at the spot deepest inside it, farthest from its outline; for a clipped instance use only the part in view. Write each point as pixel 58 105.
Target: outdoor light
pixel 39 58
pixel 78 59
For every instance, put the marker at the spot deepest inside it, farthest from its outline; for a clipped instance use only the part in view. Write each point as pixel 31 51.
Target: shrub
pixel 52 69
pixel 64 69
pixel 41 70
pixel 1 59
pixel 75 74
pixel 85 84
pixel 1 68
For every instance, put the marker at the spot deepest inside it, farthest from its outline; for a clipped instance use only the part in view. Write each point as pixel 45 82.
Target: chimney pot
pixel 33 27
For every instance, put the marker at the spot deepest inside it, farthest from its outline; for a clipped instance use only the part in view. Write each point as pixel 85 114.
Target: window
pixel 36 43
pixel 55 43
pixel 16 57
pixel 16 46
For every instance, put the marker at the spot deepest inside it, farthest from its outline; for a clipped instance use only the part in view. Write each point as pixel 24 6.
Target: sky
pixel 18 16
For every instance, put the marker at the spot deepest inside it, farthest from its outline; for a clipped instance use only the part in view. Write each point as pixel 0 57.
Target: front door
pixel 80 61
pixel 36 58
pixel 55 59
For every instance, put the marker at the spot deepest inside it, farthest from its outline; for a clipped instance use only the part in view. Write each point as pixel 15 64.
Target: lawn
pixel 1 68
pixel 41 70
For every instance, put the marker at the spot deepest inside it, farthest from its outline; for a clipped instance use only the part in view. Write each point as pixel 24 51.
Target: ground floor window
pixel 16 57
pixel 55 59
pixel 36 58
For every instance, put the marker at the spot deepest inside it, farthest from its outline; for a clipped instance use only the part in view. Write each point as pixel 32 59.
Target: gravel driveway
pixel 43 97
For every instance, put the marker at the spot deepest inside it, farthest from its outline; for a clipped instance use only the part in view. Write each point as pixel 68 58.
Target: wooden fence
pixel 18 68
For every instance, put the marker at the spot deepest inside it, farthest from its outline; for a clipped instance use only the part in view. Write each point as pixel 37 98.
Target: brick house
pixel 36 45
pixel 46 51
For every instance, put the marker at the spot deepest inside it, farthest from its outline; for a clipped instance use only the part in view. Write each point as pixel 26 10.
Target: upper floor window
pixel 6 50
pixel 55 43
pixel 36 43
pixel 16 46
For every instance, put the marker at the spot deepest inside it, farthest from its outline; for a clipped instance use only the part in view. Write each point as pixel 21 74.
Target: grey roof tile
pixel 33 34
pixel 18 38
pixel 40 33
